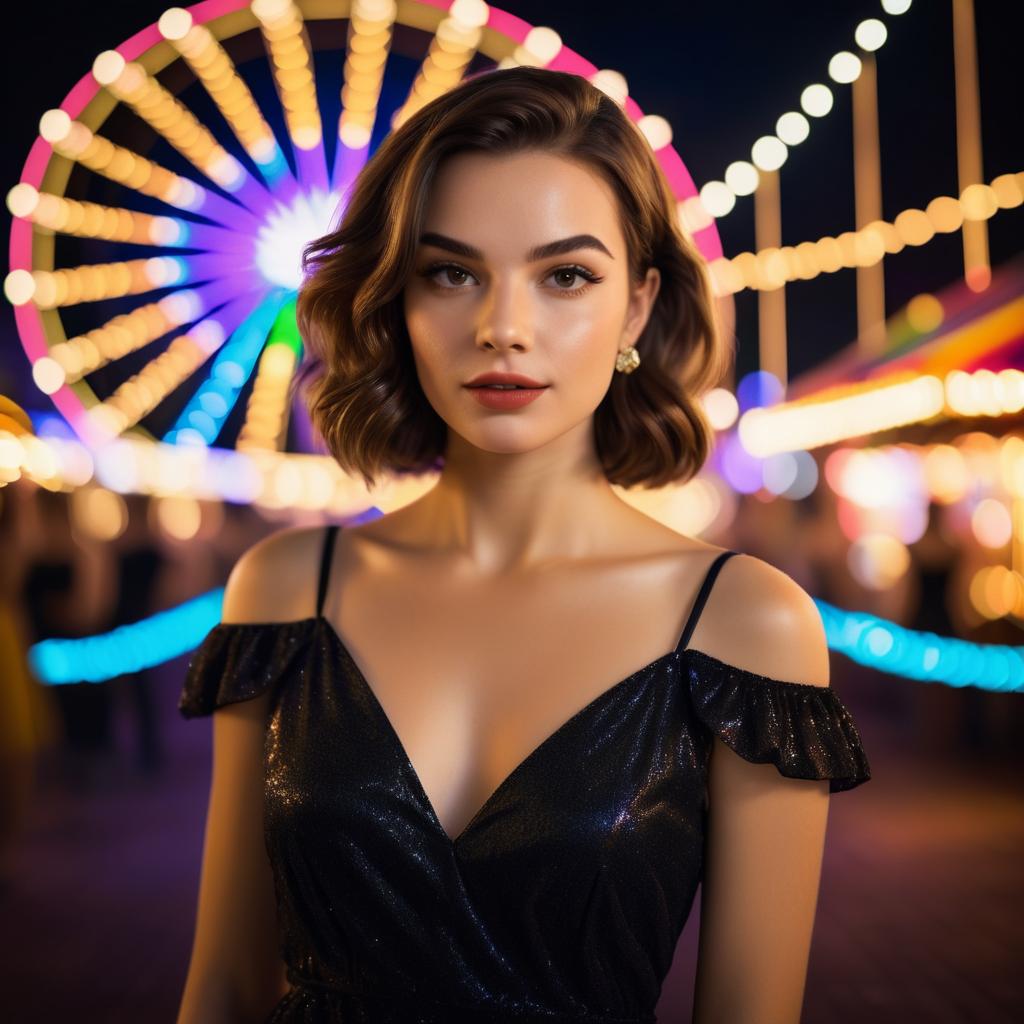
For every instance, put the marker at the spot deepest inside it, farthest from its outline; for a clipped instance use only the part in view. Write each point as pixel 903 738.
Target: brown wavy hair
pixel 358 376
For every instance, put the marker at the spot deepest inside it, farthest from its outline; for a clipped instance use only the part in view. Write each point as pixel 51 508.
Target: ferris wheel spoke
pixel 203 418
pixel 161 376
pixel 265 427
pixel 291 57
pixel 128 332
pixel 129 82
pixel 213 67
pixel 75 141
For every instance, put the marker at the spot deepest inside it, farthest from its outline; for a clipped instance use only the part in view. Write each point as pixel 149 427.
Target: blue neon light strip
pixel 128 648
pixel 863 638
pixel 922 655
pixel 203 417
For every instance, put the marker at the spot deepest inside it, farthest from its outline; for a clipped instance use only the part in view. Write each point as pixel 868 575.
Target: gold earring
pixel 628 360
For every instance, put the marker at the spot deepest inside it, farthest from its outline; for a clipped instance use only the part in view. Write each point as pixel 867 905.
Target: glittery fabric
pixel 564 896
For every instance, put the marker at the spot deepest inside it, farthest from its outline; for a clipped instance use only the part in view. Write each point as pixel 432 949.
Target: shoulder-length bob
pixel 358 376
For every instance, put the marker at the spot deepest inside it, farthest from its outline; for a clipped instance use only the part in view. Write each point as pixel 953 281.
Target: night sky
pixel 721 74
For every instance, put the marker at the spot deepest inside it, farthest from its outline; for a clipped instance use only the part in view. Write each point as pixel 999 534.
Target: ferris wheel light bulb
pixel 470 13
pixel 108 67
pixel 19 287
pixel 22 199
pixel 543 42
pixel 55 126
pixel 175 23
pixel 611 83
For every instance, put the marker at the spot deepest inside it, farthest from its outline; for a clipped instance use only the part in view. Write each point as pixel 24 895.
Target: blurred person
pixel 67 591
pixel 28 723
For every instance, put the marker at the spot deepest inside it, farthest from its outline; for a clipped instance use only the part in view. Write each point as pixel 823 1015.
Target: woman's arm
pixel 236 973
pixel 766 832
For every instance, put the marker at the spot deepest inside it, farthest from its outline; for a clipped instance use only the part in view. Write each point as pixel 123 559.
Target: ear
pixel 641 302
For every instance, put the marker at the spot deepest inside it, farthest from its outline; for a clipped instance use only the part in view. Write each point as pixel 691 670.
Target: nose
pixel 505 319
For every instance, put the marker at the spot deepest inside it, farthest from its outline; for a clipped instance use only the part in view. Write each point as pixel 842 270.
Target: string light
pixel 772 267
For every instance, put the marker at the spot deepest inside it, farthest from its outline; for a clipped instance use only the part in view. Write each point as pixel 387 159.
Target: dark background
pixel 721 74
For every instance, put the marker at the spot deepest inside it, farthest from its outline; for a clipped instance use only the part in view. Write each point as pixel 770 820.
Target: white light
pixel 19 287
pixel 870 34
pixel 54 125
pixel 792 128
pixel 718 198
pixel 895 6
pixel 287 231
pixel 816 100
pixel 742 177
pixel 543 43
pixel 181 307
pixel 656 130
pixel 612 84
pixel 165 230
pixel 107 67
pixel 174 23
pixel 844 67
pixel 22 199
pixel 48 375
pixel 769 153
pixel 164 270
pixel 471 13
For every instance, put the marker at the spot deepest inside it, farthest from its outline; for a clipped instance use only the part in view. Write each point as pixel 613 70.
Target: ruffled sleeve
pixel 238 661
pixel 804 730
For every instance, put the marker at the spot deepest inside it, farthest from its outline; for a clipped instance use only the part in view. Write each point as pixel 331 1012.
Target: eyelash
pixel 590 278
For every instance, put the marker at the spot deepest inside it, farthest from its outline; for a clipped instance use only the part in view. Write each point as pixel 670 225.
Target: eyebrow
pixel 538 252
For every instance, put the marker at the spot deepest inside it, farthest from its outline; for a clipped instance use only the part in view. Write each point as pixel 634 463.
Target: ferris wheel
pixel 161 214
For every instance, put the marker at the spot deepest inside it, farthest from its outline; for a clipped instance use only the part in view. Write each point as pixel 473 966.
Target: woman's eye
pixel 455 277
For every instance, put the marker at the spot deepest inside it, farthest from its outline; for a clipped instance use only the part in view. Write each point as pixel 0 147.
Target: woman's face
pixel 560 318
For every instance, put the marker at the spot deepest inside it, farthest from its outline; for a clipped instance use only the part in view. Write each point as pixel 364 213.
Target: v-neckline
pixel 454 841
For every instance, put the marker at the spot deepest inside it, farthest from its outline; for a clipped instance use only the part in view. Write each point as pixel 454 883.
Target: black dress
pixel 564 896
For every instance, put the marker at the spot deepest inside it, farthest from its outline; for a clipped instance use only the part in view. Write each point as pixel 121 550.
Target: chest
pixel 470 679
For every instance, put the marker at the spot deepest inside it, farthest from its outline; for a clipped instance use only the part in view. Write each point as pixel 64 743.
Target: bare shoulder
pixel 275 580
pixel 759 618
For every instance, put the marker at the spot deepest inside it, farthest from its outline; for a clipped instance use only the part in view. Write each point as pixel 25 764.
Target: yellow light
pixel 914 227
pixel 924 313
pixel 895 6
pixel 979 202
pixel 769 153
pixel 816 100
pixel 792 128
pixel 991 524
pixel 945 213
pixel 1008 191
pixel 870 34
pixel 844 67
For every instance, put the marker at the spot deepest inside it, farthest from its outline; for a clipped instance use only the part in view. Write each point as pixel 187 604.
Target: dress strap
pixel 702 596
pixel 325 566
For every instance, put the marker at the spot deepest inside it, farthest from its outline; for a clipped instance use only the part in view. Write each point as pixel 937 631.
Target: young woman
pixel 472 759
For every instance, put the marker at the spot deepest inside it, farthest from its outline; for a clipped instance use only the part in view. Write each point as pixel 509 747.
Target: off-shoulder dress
pixel 563 897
